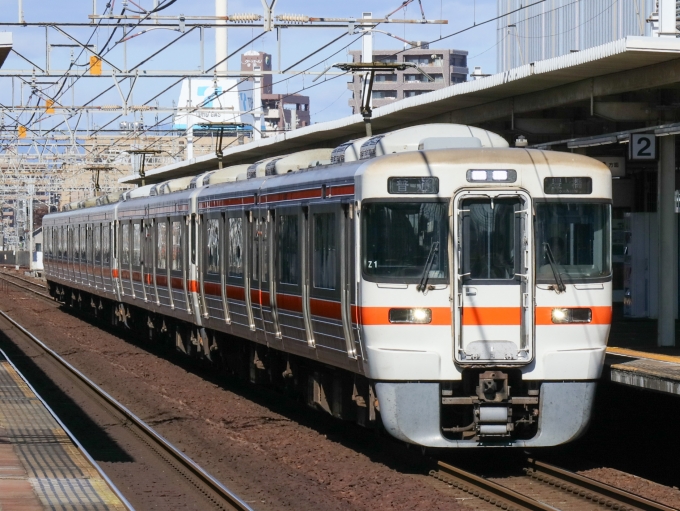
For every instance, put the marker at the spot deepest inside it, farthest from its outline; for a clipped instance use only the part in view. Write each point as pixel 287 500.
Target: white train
pixel 431 279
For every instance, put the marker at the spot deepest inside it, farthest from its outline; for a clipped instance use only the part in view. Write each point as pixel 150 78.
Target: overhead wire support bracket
pixel 268 14
pixel 143 152
pixel 370 69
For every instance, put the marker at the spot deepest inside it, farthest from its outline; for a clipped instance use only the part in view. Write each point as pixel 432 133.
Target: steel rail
pixel 28 281
pixel 3 276
pixel 230 501
pixel 602 494
pixel 489 491
pixel 596 491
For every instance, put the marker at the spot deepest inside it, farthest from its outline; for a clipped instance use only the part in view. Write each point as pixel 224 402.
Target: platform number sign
pixel 642 146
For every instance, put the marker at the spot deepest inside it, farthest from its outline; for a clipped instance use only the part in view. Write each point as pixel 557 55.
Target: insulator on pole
pixel 245 17
pixel 293 18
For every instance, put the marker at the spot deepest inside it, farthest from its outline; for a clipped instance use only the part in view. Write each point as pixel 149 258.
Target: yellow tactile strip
pixel 56 470
pixel 643 354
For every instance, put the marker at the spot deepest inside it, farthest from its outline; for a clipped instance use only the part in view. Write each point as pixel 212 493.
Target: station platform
pixel 41 466
pixel 634 359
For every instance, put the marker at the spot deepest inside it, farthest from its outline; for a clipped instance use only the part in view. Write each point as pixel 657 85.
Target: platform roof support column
pixel 668 258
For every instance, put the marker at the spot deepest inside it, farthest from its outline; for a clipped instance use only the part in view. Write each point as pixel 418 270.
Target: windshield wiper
pixel 428 266
pixel 553 266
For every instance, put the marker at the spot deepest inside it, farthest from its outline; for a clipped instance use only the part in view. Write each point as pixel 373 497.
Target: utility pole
pixel 29 221
pixel 257 102
pixel 221 37
pixel 367 56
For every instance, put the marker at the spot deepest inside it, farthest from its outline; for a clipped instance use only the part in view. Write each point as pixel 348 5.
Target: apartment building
pixel 446 67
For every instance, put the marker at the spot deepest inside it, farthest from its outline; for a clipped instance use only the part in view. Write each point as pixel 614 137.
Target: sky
pixel 328 98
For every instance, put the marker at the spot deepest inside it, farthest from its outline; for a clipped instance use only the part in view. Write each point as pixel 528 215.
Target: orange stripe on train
pixel 601 316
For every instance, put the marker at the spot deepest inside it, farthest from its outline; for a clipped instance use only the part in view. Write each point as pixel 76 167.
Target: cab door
pixel 493 316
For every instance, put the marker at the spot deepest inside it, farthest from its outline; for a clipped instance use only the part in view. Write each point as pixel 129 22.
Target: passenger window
pixel 106 243
pixel 176 246
pixel 236 247
pixel 213 231
pixel 162 254
pixel 125 247
pixel 324 251
pixel 98 244
pixel 288 250
pixel 136 245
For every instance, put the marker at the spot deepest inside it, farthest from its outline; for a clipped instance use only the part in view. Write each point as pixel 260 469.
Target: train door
pixel 268 272
pixel 493 313
pixel 163 279
pixel 97 259
pixel 177 280
pixel 237 268
pixel 70 264
pixel 288 273
pixel 323 276
pixel 106 257
pixel 210 268
pixel 223 265
pixel 148 260
pixel 90 255
pixel 82 267
pixel 259 271
pixel 125 259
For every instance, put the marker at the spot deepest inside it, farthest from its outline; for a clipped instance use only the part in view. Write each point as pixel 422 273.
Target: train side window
pixel 177 246
pixel 106 243
pixel 289 252
pixel 136 245
pixel 125 246
pixel 213 238
pixel 325 253
pixel 98 243
pixel 162 254
pixel 83 241
pixel 235 247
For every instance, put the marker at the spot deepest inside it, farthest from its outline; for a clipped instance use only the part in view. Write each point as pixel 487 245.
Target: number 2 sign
pixel 642 146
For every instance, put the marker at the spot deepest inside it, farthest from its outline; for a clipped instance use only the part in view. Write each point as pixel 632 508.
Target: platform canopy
pixel 630 83
pixel 5 46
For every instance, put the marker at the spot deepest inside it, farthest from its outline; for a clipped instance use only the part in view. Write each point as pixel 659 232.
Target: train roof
pixel 469 144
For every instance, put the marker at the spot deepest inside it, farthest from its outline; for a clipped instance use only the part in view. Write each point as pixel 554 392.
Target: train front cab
pixel 498 273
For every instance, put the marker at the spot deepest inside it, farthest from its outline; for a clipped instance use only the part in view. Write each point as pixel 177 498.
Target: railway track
pixel 205 484
pixel 37 289
pixel 544 488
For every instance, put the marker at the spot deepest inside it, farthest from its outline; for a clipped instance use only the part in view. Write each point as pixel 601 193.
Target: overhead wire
pixel 311 86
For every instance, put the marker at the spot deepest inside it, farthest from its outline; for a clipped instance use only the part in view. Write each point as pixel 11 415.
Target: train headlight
pixel 561 316
pixel 415 316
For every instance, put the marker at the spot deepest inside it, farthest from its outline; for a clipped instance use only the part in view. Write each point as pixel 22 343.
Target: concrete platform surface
pixel 41 465
pixel 643 369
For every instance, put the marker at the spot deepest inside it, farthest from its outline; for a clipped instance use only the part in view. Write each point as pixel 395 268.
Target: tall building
pixel 445 66
pixel 557 27
pixel 282 112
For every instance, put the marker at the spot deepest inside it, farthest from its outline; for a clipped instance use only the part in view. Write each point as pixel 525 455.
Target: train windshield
pixel 399 238
pixel 576 237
